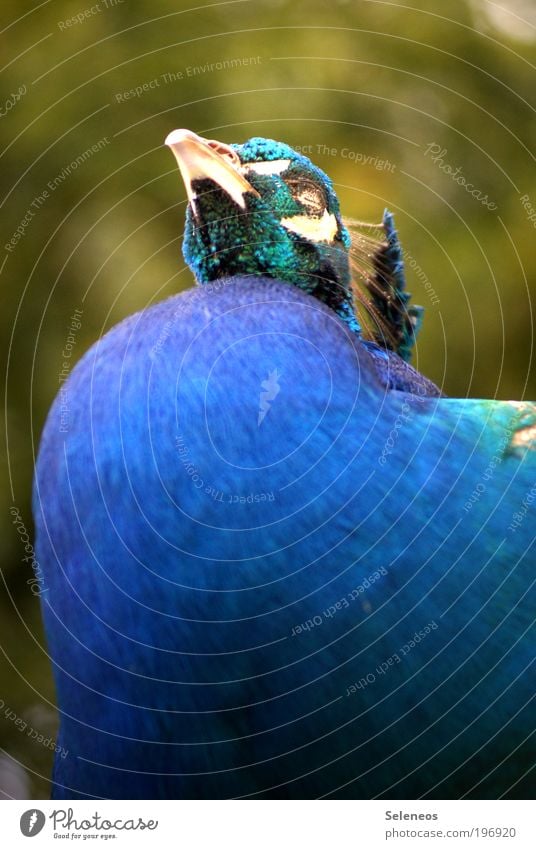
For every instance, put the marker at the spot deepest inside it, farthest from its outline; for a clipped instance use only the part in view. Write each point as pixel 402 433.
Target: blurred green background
pixel 85 106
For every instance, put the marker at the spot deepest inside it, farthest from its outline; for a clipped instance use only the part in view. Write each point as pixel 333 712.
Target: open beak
pixel 202 159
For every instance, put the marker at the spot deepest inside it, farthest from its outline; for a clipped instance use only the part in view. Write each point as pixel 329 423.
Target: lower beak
pixel 201 159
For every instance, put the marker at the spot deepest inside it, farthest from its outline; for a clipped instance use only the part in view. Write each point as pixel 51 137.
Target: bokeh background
pixel 386 96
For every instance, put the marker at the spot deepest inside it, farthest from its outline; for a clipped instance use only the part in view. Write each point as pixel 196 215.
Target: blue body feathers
pixel 217 588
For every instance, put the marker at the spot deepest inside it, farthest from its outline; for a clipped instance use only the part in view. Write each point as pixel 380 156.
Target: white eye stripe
pixel 315 229
pixel 274 166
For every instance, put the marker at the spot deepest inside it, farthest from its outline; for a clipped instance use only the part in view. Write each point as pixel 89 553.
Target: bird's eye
pixel 309 194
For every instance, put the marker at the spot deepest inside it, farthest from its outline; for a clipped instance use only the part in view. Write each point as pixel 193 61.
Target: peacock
pixel 278 561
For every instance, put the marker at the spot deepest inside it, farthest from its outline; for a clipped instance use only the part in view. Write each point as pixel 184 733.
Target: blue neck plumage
pixel 320 269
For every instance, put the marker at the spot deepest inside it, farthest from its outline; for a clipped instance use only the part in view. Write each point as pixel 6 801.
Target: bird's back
pixel 261 578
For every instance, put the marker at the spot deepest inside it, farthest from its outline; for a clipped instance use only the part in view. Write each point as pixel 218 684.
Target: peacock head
pixel 263 209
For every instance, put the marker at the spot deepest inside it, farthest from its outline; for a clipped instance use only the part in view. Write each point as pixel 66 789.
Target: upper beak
pixel 200 159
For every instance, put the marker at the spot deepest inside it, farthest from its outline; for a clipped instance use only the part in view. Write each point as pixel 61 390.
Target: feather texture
pixel 298 609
